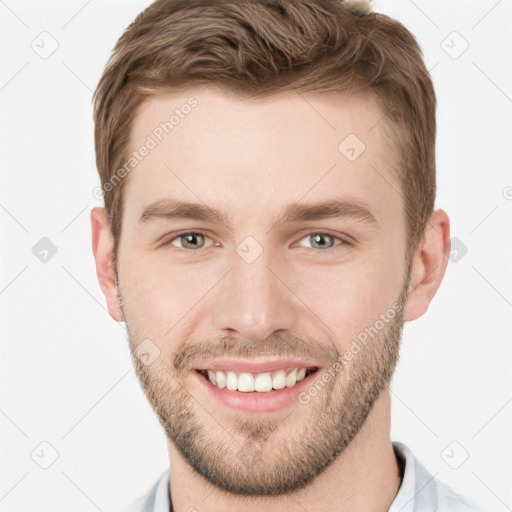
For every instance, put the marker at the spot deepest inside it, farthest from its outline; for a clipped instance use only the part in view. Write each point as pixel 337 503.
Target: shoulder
pixel 148 502
pixel 449 500
pixel 426 491
pixel 139 505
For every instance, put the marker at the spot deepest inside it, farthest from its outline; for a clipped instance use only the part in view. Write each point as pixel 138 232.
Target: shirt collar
pixel 404 500
pixel 162 494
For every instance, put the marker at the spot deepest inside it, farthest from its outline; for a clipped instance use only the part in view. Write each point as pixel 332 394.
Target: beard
pixel 261 454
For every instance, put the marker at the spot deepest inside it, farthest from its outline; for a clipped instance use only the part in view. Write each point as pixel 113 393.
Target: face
pixel 295 249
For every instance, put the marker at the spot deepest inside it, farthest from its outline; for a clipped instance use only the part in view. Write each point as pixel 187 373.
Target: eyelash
pixel 199 232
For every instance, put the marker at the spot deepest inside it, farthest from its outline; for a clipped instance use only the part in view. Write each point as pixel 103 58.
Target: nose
pixel 255 300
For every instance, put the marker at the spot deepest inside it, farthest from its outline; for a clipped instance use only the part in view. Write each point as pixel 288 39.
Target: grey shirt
pixel 419 491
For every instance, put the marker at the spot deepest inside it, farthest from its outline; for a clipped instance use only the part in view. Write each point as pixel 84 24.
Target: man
pixel 268 170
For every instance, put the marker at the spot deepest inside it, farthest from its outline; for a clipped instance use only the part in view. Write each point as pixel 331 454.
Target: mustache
pixel 190 355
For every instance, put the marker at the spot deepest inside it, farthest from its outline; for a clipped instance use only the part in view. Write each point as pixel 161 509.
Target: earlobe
pixel 428 265
pixel 103 251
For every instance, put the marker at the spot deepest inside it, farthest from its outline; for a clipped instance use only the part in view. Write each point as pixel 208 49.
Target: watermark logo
pixel 454 455
pixel 351 147
pixel 454 45
pixel 45 45
pixel 44 250
pixel 147 352
pixel 249 454
pixel 44 455
pixel 458 249
pixel 249 249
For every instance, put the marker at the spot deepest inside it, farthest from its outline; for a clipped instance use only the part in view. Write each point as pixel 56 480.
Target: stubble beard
pixel 260 455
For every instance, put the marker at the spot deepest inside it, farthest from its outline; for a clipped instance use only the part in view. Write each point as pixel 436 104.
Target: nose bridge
pixel 252 299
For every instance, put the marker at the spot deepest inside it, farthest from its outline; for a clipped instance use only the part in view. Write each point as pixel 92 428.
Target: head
pixel 305 137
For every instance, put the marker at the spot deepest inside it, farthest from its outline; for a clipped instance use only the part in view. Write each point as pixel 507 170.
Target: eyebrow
pixel 344 207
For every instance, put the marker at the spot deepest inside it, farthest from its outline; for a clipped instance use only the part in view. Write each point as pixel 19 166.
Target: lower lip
pixel 256 401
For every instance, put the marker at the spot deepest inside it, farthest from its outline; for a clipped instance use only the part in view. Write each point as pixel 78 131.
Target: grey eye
pixel 317 240
pixel 189 240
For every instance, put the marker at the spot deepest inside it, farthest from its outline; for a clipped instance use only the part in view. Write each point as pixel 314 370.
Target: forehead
pixel 254 155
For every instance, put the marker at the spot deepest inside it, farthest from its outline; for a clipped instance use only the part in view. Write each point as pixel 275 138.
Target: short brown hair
pixel 254 48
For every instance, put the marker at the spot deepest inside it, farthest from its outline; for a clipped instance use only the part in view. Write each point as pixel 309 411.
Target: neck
pixel 365 476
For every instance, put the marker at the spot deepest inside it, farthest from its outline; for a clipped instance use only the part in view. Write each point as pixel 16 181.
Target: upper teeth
pixel 262 382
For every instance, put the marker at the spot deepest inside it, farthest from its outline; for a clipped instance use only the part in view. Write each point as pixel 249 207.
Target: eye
pixel 196 240
pixel 324 241
pixel 190 240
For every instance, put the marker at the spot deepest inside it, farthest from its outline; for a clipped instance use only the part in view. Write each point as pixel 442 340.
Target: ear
pixel 103 250
pixel 428 265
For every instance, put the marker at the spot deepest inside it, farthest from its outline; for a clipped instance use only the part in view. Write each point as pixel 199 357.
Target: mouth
pixel 257 383
pixel 266 392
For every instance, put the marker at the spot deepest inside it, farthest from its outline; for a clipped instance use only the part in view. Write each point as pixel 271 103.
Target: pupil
pixel 190 238
pixel 318 239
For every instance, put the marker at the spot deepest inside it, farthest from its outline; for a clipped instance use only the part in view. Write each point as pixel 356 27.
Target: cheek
pixel 157 295
pixel 350 298
pixel 344 297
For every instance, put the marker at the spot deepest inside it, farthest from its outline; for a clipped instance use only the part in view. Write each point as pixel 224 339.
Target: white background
pixel 65 372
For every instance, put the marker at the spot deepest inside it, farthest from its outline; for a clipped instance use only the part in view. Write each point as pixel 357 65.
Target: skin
pixel 250 160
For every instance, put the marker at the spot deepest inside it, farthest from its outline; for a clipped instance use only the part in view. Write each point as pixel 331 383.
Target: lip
pixel 255 402
pixel 256 366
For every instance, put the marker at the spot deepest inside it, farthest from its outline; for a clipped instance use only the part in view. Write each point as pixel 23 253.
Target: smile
pixel 264 382
pixel 239 391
